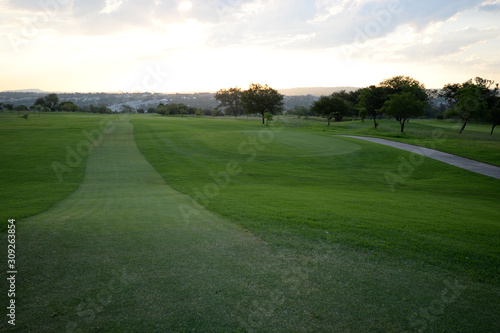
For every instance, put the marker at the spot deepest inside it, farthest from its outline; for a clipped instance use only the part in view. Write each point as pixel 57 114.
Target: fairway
pixel 291 243
pixel 284 143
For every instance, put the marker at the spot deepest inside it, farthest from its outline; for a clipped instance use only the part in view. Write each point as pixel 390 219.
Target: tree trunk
pixel 462 129
pixel 492 128
pixel 263 123
pixel 328 121
pixel 402 126
pixel 375 121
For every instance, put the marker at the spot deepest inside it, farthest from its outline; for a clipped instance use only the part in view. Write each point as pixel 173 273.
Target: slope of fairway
pixel 127 253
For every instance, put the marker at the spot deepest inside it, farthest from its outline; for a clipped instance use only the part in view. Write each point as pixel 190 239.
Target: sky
pixel 206 45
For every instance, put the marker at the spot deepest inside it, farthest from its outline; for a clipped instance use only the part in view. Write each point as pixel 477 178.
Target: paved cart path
pixel 461 162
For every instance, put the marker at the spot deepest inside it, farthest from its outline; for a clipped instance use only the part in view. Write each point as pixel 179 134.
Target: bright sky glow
pixel 205 45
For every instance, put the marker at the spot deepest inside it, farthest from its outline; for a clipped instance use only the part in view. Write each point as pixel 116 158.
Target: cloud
pixel 111 6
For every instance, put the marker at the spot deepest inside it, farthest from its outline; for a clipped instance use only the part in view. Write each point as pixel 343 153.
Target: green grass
pixel 331 247
pixel 475 142
pixel 29 148
pixel 297 190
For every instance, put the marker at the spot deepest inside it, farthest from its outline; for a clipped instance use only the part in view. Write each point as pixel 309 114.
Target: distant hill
pixel 315 91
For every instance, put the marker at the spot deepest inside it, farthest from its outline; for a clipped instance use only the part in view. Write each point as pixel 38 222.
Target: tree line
pixel 399 97
pixel 50 103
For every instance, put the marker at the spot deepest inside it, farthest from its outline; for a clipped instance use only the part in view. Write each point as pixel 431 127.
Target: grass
pixel 29 148
pixel 331 247
pixel 475 142
pixel 304 192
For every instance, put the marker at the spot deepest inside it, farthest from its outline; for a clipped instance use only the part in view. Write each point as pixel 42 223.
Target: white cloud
pixel 111 6
pixel 320 42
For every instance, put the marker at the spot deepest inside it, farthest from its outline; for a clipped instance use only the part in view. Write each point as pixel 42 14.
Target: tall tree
pixel 261 99
pixel 371 100
pixel 51 100
pixel 403 106
pixel 331 107
pixel 470 104
pixel 495 115
pixel 231 100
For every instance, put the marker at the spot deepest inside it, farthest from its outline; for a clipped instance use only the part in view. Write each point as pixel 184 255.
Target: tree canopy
pixel 230 99
pixel 371 100
pixel 403 106
pixel 406 98
pixel 331 107
pixel 68 106
pixel 261 99
pixel 470 104
pixel 401 84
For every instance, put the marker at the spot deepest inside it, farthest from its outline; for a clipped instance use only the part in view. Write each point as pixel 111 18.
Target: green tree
pixel 403 106
pixel 99 109
pixel 300 111
pixel 495 115
pixel 269 117
pixel 470 105
pixel 400 84
pixel 51 101
pixel 67 106
pixel 183 109
pixel 126 109
pixel 450 91
pixel 261 99
pixel 370 101
pixel 230 99
pixel 331 107
pixel 21 108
